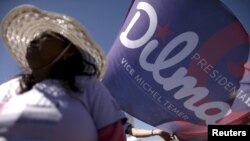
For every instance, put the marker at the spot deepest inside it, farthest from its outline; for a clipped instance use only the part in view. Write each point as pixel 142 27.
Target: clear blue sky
pixel 102 18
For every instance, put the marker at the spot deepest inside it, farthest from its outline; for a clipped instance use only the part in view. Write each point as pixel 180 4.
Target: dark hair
pixel 64 70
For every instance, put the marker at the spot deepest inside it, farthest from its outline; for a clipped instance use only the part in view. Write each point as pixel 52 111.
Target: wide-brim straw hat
pixel 23 23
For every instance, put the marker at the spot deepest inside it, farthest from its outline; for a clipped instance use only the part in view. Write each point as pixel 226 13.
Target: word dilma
pixel 179 78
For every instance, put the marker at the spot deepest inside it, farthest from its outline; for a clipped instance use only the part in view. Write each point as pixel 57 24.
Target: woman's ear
pixel 71 52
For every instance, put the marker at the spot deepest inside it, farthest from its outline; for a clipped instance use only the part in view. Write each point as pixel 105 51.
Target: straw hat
pixel 23 23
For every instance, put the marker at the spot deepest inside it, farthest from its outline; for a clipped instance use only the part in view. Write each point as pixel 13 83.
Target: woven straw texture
pixel 23 23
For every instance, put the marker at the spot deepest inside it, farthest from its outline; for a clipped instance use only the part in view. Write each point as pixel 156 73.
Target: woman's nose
pixel 35 44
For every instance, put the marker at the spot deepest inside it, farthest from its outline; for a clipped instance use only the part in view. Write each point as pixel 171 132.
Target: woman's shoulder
pixel 14 82
pixel 87 80
pixel 9 87
pixel 90 84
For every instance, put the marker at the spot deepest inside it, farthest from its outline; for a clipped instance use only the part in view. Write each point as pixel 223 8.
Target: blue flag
pixel 177 65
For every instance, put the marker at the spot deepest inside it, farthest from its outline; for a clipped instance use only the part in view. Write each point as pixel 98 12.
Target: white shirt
pixel 47 113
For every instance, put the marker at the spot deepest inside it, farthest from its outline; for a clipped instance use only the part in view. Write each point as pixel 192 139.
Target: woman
pixel 60 96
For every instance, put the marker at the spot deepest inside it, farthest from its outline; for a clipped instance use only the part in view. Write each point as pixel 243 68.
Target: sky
pixel 103 19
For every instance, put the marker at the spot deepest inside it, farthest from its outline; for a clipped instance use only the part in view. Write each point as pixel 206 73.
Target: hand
pixel 165 135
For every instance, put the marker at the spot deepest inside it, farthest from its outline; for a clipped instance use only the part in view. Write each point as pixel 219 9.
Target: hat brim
pixel 23 23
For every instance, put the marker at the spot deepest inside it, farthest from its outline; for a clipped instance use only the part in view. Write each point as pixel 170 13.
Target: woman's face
pixel 43 50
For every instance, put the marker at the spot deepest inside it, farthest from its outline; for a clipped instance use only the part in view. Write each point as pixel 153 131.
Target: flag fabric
pixel 179 66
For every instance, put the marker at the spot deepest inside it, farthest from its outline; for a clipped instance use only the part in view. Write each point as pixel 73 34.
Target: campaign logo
pixel 178 65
